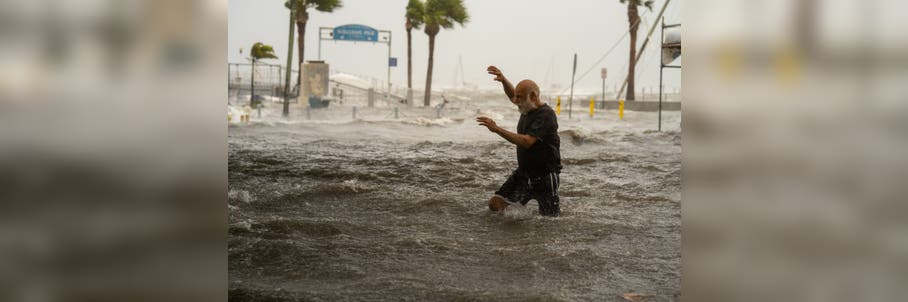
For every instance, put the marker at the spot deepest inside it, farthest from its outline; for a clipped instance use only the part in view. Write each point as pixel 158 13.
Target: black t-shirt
pixel 544 156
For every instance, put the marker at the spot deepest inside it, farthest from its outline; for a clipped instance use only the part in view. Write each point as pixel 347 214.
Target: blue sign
pixel 355 32
pixel 392 62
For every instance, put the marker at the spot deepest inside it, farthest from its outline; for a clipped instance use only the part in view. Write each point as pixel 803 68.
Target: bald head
pixel 526 96
pixel 528 88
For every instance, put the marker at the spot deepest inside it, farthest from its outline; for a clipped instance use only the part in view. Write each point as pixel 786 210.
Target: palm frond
pixel 415 13
pixel 325 5
pixel 446 13
pixel 262 51
pixel 647 3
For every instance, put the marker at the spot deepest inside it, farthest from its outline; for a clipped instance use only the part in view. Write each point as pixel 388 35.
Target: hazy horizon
pixel 491 37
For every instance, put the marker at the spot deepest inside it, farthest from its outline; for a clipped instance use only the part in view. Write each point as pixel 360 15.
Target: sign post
pixel 357 32
pixel 670 52
pixel 571 99
pixel 389 65
pixel 604 75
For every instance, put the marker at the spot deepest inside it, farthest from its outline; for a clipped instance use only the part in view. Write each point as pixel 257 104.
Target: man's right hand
pixel 497 73
pixel 508 88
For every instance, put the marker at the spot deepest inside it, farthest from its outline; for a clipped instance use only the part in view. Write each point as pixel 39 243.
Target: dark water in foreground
pixel 364 216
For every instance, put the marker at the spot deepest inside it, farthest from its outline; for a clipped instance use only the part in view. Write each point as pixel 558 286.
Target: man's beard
pixel 525 106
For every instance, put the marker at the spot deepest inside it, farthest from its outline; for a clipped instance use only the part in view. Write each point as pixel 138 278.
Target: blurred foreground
pixel 794 151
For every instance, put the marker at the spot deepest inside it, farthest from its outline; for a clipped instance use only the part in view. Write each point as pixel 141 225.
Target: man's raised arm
pixel 508 88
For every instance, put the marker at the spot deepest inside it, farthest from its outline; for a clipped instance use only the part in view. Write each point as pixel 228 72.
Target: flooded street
pixel 378 208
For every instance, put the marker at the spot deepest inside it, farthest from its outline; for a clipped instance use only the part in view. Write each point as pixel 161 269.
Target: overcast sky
pixel 526 39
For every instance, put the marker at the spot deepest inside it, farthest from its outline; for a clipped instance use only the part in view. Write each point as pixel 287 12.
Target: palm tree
pixel 259 52
pixel 414 16
pixel 440 14
pixel 301 8
pixel 633 18
pixel 292 22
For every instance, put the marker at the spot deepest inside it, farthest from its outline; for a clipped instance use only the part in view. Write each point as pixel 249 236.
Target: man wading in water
pixel 538 150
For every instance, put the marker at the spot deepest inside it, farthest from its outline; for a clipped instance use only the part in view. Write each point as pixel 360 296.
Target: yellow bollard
pixel 558 106
pixel 592 103
pixel 247 113
pixel 621 109
pixel 788 67
pixel 229 117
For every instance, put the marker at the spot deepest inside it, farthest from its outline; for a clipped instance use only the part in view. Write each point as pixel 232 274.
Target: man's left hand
pixel 487 122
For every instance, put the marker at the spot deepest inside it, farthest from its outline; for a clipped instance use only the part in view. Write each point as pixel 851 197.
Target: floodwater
pixel 330 208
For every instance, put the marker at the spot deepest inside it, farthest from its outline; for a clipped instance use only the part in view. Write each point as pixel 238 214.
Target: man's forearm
pixel 508 88
pixel 522 141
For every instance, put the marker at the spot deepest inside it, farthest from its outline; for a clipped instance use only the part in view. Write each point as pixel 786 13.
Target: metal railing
pixel 269 80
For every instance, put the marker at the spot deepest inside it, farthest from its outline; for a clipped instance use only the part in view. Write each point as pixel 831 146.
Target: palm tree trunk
pixel 301 18
pixel 252 86
pixel 428 95
pixel 286 111
pixel 409 58
pixel 632 18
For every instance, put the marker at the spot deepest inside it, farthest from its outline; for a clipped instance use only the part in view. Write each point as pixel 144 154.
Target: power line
pixel 626 33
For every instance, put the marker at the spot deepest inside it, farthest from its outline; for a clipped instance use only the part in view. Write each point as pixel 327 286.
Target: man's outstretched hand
pixel 487 122
pixel 497 73
pixel 508 88
pixel 521 140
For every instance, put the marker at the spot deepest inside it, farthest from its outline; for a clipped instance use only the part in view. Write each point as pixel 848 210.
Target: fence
pixel 269 80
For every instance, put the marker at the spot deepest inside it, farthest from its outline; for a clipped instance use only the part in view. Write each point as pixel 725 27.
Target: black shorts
pixel 544 189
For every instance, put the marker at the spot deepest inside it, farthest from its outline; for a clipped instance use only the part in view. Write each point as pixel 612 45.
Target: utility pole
pixel 642 48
